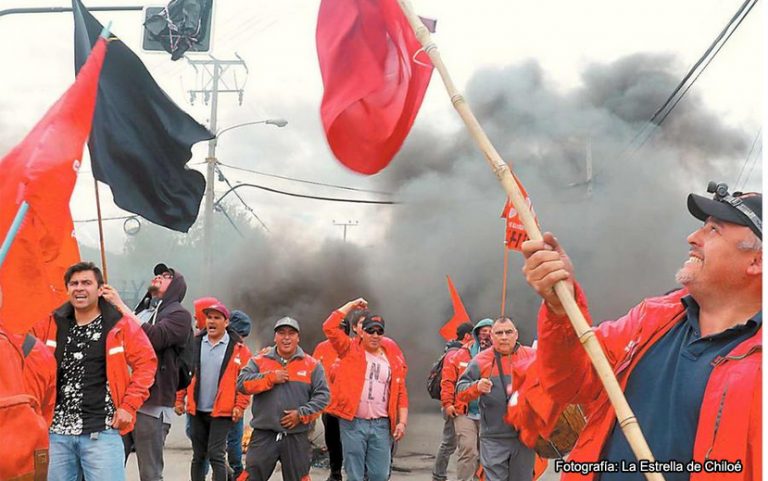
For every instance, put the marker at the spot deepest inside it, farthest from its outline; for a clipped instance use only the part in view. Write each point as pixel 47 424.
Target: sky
pixel 276 39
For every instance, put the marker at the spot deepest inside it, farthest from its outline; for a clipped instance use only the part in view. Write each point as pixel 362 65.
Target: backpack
pixel 25 433
pixel 185 359
pixel 435 376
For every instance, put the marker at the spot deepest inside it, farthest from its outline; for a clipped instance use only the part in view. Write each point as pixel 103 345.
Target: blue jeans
pixel 93 456
pixel 235 447
pixel 367 446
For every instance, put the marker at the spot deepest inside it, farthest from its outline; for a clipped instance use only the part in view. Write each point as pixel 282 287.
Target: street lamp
pixel 211 160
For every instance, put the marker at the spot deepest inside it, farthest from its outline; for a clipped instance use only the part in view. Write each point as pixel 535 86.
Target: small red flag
pixel 42 170
pixel 373 84
pixel 515 232
pixel 460 316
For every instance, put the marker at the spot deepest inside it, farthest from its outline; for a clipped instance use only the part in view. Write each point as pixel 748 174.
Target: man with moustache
pixel 212 401
pixel 491 377
pixel 168 326
pixel 689 362
pixel 289 392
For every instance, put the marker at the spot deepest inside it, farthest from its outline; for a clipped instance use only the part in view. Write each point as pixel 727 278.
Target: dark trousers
pixel 209 440
pixel 333 443
pixel 293 450
pixel 147 439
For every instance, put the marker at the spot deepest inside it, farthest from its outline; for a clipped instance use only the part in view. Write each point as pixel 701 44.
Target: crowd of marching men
pixel 106 379
pixel 97 380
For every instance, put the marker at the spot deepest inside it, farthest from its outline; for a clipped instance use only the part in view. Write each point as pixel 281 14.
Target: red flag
pixel 515 232
pixel 42 170
pixel 373 85
pixel 460 316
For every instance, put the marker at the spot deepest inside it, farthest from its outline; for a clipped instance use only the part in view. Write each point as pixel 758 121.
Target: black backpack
pixel 436 375
pixel 185 358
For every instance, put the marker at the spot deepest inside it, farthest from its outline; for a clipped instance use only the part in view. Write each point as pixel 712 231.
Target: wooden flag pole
pixel 13 230
pixel 586 335
pixel 101 231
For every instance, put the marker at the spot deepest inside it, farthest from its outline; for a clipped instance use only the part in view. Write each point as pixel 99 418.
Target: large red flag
pixel 460 316
pixel 373 83
pixel 42 170
pixel 515 232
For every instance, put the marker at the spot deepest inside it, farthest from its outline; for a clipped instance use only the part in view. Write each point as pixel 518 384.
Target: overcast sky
pixel 276 39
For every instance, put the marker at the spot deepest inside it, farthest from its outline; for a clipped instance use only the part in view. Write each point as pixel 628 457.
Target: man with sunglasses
pixel 689 362
pixel 368 394
pixel 168 325
pixel 491 377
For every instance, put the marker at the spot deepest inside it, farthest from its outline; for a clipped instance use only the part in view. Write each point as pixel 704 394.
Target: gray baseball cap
pixel 287 321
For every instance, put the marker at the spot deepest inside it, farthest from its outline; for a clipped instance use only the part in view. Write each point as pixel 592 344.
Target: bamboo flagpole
pixel 585 333
pixel 101 230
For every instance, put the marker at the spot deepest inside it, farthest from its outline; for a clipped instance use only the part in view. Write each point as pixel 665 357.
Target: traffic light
pixel 181 26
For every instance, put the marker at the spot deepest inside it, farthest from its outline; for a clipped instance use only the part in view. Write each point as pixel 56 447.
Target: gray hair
pixel 754 244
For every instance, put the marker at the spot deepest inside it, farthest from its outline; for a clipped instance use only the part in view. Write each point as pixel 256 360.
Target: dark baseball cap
pixel 162 268
pixel 287 321
pixel 372 321
pixel 727 209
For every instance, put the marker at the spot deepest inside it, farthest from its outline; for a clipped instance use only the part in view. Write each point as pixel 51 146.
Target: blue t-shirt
pixel 666 389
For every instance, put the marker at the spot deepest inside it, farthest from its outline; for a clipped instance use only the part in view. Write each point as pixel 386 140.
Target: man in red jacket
pixel 106 365
pixel 689 362
pixel 213 402
pixel 368 394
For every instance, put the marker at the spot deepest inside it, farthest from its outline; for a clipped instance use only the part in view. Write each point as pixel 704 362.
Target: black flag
pixel 140 140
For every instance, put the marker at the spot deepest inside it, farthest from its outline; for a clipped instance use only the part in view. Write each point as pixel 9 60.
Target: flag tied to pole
pixel 460 316
pixel 42 171
pixel 374 79
pixel 515 232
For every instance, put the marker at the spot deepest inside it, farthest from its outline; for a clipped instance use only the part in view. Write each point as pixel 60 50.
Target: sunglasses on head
pixel 375 330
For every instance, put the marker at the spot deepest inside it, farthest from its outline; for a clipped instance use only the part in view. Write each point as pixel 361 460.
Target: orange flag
pixel 42 170
pixel 515 232
pixel 460 316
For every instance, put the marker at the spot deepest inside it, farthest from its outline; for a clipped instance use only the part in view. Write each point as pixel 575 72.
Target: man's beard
pixel 684 277
pixel 153 291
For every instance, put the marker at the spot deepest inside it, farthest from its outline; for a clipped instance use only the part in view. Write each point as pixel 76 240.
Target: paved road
pixel 415 453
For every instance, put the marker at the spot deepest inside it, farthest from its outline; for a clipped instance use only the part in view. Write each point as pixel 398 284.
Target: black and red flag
pixel 141 140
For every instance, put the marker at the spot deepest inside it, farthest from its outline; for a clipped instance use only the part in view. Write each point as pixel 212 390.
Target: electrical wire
pixel 313 197
pixel 303 181
pixel 245 204
pixel 746 160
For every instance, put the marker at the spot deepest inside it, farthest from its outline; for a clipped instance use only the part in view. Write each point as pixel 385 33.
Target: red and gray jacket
pixel 306 389
pixel 493 406
pixel 227 398
pixel 730 420
pixel 349 380
pixel 131 361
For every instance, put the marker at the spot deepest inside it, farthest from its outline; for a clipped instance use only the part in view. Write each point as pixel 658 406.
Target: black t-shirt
pixel 83 402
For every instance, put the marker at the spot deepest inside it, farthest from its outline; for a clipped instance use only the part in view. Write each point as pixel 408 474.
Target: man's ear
pixel 755 267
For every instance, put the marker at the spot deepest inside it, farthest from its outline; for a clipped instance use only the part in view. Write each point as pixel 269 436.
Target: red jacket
pixel 326 354
pixel 227 397
pixel 40 375
pixel 127 347
pixel 347 387
pixel 730 420
pixel 454 365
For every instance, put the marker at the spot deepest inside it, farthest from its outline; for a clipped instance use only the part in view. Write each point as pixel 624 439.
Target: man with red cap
pixel 212 400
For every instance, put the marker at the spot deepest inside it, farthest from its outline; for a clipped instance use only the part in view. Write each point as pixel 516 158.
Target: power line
pixel 758 155
pixel 303 181
pixel 313 197
pixel 245 204
pixel 673 99
pixel 749 154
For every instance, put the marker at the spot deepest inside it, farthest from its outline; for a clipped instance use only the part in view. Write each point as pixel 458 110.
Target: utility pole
pixel 350 223
pixel 213 72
